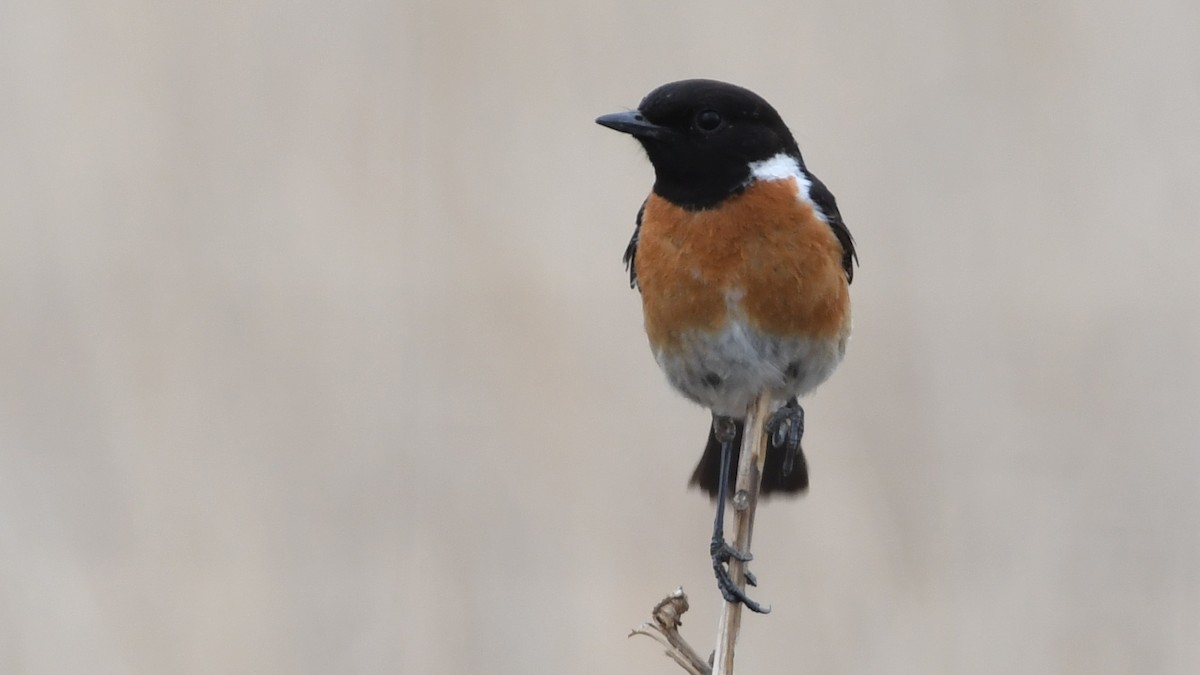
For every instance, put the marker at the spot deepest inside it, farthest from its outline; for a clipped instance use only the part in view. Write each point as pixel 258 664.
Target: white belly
pixel 727 370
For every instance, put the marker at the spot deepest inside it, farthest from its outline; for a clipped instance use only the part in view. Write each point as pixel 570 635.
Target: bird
pixel 744 265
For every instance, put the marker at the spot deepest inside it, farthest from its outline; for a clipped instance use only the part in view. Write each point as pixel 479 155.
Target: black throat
pixel 700 187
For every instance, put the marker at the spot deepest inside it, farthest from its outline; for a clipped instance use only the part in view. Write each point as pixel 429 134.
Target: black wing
pixel 824 200
pixel 631 249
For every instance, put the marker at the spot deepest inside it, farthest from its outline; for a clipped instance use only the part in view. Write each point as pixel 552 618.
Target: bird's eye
pixel 709 121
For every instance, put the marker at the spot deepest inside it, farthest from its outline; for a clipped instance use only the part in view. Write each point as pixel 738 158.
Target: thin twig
pixel 668 617
pixel 745 499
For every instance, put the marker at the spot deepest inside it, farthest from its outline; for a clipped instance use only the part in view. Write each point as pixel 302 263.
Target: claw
pixel 786 427
pixel 722 552
pixel 731 592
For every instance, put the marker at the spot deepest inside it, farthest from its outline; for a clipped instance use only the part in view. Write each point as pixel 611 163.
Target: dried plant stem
pixel 745 500
pixel 668 617
pixel 668 612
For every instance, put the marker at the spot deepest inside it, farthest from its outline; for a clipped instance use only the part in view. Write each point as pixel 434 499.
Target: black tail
pixel 708 471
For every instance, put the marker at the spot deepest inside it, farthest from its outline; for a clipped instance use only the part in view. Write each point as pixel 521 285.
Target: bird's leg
pixel 786 427
pixel 725 430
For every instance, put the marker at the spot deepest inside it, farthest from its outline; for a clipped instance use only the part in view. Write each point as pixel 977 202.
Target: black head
pixel 701 136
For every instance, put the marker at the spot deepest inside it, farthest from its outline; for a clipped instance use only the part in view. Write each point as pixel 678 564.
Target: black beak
pixel 632 123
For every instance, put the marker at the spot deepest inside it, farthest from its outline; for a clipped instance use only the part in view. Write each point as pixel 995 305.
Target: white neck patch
pixel 783 167
pixel 779 167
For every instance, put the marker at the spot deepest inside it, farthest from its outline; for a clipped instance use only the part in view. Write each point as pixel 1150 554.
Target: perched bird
pixel 744 267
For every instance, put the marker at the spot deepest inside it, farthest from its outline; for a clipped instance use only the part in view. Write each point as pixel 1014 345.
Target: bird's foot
pixel 786 428
pixel 722 553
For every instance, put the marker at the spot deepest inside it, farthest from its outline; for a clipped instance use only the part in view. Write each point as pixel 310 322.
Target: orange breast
pixel 763 253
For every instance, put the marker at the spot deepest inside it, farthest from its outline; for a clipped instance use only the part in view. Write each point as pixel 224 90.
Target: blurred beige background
pixel 317 354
